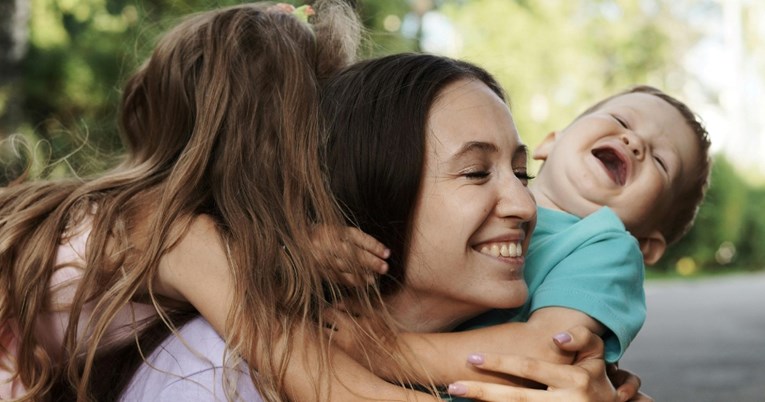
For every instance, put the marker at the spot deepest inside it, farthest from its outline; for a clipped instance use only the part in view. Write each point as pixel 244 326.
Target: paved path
pixel 703 341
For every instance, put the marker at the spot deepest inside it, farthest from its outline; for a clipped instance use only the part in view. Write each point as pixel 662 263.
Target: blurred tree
pixel 80 51
pixel 14 16
pixel 718 221
pixel 730 227
pixel 751 247
pixel 383 21
pixel 555 58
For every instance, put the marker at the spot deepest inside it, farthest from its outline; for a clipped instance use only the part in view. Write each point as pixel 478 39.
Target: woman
pixel 423 154
pixel 425 157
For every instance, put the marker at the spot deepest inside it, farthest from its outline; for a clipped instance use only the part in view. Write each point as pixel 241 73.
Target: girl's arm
pixel 196 270
pixel 442 354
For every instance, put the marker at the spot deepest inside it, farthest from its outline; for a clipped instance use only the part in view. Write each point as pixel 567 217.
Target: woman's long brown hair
pixel 222 120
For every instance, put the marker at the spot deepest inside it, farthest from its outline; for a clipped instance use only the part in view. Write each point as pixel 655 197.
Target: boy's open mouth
pixel 614 163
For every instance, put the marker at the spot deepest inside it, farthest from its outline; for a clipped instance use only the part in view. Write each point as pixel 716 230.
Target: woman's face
pixel 474 215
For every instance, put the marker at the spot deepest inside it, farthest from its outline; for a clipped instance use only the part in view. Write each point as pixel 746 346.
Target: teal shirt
pixel 592 265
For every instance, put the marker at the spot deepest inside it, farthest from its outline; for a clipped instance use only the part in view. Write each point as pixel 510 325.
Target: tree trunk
pixel 14 39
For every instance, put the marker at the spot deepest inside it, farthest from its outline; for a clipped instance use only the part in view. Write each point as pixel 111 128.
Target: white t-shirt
pixel 188 368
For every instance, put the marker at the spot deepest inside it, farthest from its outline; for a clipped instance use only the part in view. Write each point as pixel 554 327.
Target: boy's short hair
pixel 678 219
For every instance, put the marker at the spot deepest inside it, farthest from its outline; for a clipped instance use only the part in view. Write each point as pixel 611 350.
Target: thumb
pixel 581 340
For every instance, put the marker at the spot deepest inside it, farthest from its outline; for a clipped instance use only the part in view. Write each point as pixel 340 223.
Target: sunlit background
pixel 557 57
pixel 555 54
pixel 63 62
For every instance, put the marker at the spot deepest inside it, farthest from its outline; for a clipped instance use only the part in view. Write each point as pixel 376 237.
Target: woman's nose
pixel 515 201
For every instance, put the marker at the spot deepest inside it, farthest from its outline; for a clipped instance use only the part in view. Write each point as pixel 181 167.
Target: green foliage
pixel 556 58
pixel 731 219
pixel 382 20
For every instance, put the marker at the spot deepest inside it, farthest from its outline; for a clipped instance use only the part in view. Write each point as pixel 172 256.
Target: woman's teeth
pixel 503 249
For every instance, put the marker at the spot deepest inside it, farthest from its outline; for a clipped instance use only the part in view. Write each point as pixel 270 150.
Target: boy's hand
pixel 339 248
pixel 627 384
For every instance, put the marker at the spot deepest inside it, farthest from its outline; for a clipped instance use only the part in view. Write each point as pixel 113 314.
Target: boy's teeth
pixel 503 249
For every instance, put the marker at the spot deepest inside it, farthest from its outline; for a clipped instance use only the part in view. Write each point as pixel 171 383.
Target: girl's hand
pixel 585 380
pixel 339 248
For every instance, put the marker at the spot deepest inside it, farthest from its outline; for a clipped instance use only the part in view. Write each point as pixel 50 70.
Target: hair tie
pixel 303 12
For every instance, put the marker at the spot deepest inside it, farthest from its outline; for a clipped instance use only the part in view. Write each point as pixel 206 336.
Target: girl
pixel 222 131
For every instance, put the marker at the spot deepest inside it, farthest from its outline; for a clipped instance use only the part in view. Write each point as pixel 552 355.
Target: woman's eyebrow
pixel 475 147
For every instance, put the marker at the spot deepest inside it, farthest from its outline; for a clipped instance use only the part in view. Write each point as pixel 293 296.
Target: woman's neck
pixel 417 312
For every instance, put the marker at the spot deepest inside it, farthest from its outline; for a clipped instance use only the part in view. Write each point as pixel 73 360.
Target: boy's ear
pixel 543 149
pixel 652 247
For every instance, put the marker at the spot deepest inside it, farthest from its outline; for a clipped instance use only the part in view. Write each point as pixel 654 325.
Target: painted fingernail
pixel 475 358
pixel 563 338
pixel 386 253
pixel 456 389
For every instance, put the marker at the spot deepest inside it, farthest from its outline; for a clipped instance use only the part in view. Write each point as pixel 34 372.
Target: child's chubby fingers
pixel 484 391
pixel 627 384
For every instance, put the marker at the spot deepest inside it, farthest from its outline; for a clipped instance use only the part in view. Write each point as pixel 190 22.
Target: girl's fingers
pixel 341 248
pixel 484 391
pixel 366 242
pixel 373 263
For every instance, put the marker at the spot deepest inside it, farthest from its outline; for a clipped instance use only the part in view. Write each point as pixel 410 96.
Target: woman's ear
pixel 652 247
pixel 543 149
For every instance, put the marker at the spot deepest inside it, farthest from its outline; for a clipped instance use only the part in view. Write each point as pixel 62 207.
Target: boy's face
pixel 630 155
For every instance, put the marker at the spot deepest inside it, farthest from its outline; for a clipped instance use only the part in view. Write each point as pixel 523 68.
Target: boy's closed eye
pixel 661 163
pixel 622 121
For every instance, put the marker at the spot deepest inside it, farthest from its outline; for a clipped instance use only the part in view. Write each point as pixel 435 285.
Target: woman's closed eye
pixel 523 175
pixel 475 174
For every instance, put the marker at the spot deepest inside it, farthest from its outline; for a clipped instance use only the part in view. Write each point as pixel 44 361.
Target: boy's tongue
pixel 613 163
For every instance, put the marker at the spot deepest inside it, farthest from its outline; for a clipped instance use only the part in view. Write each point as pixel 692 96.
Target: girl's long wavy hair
pixel 222 120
